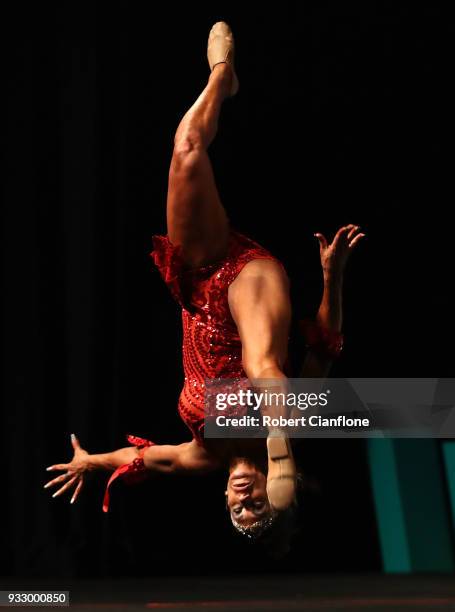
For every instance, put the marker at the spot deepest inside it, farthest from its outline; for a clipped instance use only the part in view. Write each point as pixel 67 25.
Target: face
pixel 246 493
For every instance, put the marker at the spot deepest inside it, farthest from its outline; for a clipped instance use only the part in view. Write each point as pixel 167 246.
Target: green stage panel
pixel 412 515
pixel 449 460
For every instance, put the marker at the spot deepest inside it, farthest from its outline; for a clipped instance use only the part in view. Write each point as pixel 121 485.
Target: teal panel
pixel 412 514
pixel 449 460
pixel 421 477
pixel 389 510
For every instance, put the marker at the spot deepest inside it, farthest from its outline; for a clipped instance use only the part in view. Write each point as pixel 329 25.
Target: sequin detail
pixel 211 343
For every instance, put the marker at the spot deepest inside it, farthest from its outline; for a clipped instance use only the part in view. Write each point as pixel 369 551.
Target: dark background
pixel 344 115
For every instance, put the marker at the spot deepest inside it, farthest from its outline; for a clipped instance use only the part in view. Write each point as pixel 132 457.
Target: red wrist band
pixel 131 473
pixel 324 342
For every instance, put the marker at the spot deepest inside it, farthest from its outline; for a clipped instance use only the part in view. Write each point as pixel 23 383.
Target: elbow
pixel 263 369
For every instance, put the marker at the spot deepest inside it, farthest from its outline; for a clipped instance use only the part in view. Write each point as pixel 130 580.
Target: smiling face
pixel 246 494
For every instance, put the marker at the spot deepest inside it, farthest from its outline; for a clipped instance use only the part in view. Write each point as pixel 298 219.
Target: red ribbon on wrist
pixel 327 343
pixel 133 472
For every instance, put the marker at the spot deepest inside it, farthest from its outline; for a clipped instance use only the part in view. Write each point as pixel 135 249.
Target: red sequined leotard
pixel 211 344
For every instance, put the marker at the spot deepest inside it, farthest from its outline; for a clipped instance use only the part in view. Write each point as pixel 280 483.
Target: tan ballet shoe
pixel 220 50
pixel 281 476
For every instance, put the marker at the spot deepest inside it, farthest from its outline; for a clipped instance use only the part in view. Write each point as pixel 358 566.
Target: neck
pixel 252 452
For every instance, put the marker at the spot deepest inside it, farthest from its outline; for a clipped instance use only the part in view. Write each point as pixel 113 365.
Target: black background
pixel 344 115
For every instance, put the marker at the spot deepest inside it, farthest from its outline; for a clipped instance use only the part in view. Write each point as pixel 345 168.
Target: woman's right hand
pixel 75 470
pixel 334 255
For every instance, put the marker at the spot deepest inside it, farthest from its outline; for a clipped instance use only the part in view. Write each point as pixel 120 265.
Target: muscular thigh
pixel 196 218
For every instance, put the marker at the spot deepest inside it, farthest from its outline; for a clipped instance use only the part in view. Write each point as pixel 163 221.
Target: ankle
pixel 223 74
pixel 222 67
pixel 223 70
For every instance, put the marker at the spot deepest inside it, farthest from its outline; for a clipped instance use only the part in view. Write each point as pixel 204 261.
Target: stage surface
pixel 254 593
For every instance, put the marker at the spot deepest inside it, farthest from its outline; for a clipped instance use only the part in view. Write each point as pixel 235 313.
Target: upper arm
pixel 260 306
pixel 168 458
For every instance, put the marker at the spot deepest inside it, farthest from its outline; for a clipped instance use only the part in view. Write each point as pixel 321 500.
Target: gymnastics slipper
pixel 281 477
pixel 220 49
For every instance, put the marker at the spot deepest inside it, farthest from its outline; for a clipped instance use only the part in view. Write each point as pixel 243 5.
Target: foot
pixel 281 477
pixel 220 50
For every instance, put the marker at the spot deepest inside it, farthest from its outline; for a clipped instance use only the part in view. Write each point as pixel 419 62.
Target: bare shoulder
pixel 196 458
pixel 260 292
pixel 261 271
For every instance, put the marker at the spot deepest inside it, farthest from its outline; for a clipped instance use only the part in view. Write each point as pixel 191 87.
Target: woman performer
pixel 236 314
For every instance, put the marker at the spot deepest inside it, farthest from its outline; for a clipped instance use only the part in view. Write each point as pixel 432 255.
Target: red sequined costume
pixel 211 343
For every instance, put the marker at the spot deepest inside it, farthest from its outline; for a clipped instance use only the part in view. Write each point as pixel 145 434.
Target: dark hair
pixel 276 541
pixel 274 533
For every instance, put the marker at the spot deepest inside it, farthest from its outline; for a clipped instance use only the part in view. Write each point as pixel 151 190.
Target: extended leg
pixel 196 218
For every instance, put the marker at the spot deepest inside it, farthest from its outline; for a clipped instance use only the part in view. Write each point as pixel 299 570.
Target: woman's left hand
pixel 335 255
pixel 75 471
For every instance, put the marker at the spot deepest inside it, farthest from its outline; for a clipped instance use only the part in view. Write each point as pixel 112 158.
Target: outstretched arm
pixel 334 257
pixel 166 458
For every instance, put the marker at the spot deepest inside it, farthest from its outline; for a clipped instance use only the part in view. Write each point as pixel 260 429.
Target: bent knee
pixel 187 155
